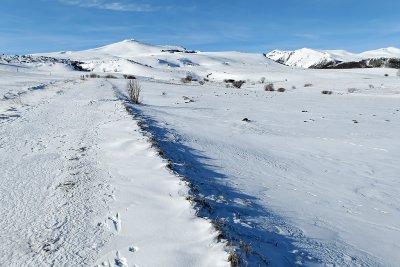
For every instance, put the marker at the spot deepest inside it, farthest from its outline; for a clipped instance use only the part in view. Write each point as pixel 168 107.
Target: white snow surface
pixel 306 57
pixel 82 186
pixel 309 179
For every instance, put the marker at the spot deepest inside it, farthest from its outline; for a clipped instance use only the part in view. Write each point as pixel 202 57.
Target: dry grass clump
pixel 134 89
pixel 269 87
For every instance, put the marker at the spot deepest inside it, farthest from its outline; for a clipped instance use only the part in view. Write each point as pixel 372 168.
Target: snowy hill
pixel 166 62
pixel 337 59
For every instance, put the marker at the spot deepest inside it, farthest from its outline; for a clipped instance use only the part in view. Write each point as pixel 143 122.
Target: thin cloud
pixel 114 6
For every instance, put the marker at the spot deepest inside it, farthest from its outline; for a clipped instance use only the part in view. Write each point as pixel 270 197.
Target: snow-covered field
pixel 308 179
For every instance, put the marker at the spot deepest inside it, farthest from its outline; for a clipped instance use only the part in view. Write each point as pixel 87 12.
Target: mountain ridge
pixel 339 59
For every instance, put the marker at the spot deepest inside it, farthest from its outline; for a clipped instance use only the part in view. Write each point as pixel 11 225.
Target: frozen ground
pixel 308 179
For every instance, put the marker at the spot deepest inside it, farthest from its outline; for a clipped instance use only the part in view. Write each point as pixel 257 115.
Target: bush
pixel 110 76
pixel 128 76
pixel 187 79
pixel 281 90
pixel 229 81
pixel 308 85
pixel 352 90
pixel 93 75
pixel 386 75
pixel 134 89
pixel 293 87
pixel 202 82
pixel 269 87
pixel 238 84
pixel 326 92
pixel 371 86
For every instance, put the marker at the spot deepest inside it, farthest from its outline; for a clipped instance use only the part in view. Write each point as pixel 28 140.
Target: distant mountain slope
pixel 166 62
pixel 337 59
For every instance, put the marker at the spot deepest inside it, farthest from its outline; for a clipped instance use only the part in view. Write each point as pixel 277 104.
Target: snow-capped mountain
pixel 337 59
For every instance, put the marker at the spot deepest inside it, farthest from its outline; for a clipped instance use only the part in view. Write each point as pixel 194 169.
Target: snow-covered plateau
pixel 201 173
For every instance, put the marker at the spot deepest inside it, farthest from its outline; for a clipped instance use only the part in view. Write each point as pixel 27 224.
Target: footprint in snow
pixel 117 222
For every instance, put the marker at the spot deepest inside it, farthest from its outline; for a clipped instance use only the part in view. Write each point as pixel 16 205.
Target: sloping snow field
pixel 273 178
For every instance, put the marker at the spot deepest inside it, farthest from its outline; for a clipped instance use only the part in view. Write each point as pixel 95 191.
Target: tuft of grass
pixel 129 77
pixel 187 79
pixel 269 87
pixel 110 76
pixel 238 84
pixel 234 259
pixel 352 90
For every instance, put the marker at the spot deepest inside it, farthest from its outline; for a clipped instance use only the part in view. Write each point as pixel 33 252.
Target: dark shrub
pixel 326 92
pixel 238 84
pixel 281 90
pixel 128 76
pixel 110 76
pixel 187 79
pixel 269 87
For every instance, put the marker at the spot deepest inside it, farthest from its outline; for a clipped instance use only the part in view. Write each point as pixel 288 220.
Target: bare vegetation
pixel 134 89
pixel 234 259
pixel 269 87
pixel 110 76
pixel 187 79
pixel 129 77
pixel 94 75
pixel 238 84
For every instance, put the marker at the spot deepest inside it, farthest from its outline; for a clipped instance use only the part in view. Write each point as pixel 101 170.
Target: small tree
pixel 134 89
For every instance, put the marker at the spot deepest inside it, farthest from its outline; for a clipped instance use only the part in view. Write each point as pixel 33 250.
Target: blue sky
pixel 28 26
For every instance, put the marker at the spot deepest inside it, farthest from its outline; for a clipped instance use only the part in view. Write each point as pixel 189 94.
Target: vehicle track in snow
pixel 51 185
